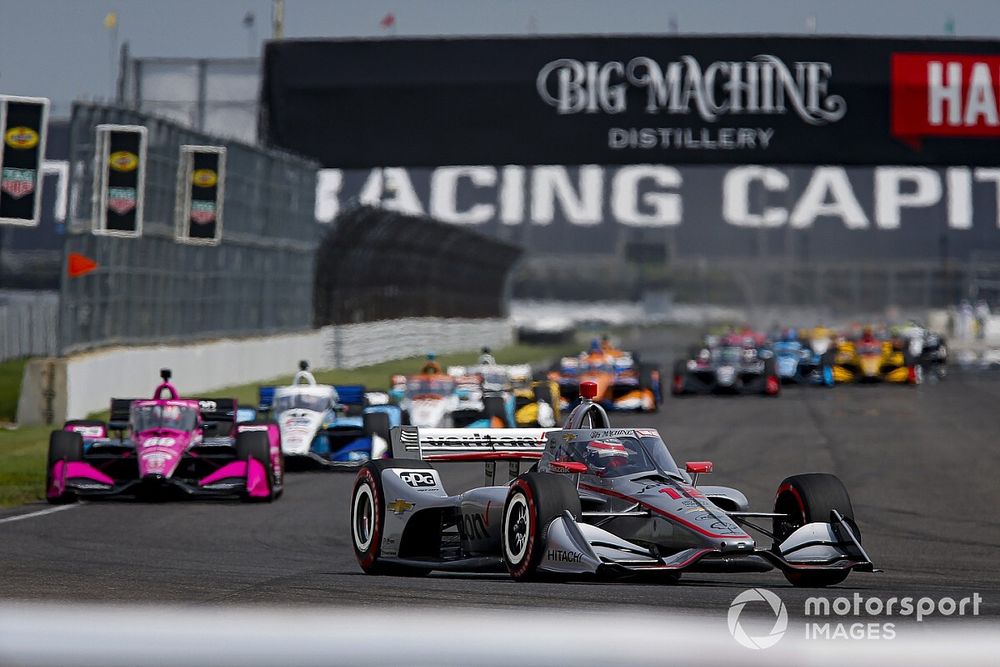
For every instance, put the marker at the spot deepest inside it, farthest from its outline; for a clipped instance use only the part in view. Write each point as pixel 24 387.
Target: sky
pixel 61 49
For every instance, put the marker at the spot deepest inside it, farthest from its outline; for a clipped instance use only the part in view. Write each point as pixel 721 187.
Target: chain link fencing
pixel 153 290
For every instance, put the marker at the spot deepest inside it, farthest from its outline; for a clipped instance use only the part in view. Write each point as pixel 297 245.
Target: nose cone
pixel 725 375
pixel 427 412
pixel 870 365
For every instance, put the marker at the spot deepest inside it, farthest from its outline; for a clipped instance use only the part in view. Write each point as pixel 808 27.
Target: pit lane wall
pixel 56 389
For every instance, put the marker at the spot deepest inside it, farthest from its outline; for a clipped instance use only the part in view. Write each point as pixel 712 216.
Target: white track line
pixel 30 515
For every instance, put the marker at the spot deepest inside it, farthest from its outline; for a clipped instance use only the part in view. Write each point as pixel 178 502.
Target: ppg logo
pixel 418 479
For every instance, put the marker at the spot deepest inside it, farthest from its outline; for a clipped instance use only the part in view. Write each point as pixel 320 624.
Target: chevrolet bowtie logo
pixel 399 506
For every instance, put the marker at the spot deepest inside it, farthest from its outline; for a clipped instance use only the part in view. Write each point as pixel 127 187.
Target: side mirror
pixel 117 426
pixel 568 466
pixel 209 427
pixel 696 468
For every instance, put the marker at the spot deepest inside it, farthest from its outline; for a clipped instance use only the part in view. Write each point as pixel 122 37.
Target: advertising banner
pixel 23 128
pixel 200 192
pixel 119 180
pixel 823 212
pixel 634 100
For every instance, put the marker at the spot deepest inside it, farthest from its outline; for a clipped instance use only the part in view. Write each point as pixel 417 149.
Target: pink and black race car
pixel 166 446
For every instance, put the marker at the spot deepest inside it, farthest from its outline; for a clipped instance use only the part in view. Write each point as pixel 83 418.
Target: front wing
pixel 86 479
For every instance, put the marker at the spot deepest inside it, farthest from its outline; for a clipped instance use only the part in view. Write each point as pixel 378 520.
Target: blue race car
pixel 331 425
pixel 801 363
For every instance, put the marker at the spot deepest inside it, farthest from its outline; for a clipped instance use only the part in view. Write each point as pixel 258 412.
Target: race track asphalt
pixel 922 465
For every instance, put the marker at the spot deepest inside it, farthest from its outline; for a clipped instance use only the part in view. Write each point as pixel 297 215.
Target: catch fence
pixel 154 290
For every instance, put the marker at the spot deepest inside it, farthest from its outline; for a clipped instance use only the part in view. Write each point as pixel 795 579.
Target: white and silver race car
pixel 332 425
pixel 601 502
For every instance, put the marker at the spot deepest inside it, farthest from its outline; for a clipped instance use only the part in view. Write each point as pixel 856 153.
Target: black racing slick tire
pixel 649 378
pixel 368 518
pixel 806 499
pixel 493 406
pixel 376 423
pixel 257 446
pixel 772 383
pixel 677 383
pixel 63 446
pixel 534 500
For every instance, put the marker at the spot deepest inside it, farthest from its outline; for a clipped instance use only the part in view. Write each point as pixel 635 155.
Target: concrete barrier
pixel 72 387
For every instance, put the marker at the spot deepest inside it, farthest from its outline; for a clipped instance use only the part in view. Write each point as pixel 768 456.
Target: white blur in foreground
pixel 43 635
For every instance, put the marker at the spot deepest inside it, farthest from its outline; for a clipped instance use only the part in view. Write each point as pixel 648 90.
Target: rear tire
pixel 494 406
pixel 806 499
pixel 533 502
pixel 677 384
pixel 649 378
pixel 543 392
pixel 377 423
pixel 256 446
pixel 63 446
pixel 368 518
pixel 772 383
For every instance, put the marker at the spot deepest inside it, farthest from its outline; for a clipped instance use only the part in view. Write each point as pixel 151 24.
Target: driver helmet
pixel 486 358
pixel 595 346
pixel 431 366
pixel 606 454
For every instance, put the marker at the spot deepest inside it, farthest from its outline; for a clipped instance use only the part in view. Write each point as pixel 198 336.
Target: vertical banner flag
pixel 119 180
pixel 200 191
pixel 23 123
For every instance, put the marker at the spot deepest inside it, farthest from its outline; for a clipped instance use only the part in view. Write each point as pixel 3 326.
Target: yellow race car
pixel 870 359
pixel 536 403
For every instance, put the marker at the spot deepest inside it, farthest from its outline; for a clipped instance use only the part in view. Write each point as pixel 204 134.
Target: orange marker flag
pixel 80 265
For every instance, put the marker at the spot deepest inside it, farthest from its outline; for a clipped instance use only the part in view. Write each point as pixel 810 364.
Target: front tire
pixel 806 499
pixel 533 502
pixel 368 517
pixel 64 446
pixel 255 446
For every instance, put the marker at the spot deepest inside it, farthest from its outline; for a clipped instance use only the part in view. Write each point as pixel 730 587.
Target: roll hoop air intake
pixel 587 414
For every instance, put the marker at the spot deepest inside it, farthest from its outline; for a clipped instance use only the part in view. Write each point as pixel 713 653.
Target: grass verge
pixel 23 450
pixel 10 387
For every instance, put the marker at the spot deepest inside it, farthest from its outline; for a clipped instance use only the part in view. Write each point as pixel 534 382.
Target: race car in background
pixel 870 358
pixel 924 344
pixel 623 384
pixel 339 426
pixel 600 502
pixel 735 365
pixel 525 401
pixel 806 360
pixel 166 446
pixel 432 398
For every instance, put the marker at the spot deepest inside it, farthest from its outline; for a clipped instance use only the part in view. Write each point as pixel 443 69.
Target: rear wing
pixel 212 409
pixel 469 444
pixel 217 409
pixel 121 409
